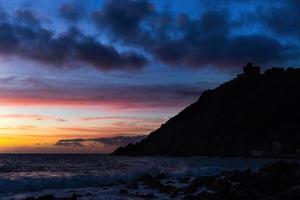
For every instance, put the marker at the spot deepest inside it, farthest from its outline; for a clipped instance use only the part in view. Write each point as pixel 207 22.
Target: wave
pixel 25 184
pixel 38 184
pixel 104 171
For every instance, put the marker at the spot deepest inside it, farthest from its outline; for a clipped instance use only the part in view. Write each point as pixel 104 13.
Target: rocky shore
pixel 278 181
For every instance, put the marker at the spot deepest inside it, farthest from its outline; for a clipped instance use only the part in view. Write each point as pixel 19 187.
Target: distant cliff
pixel 249 114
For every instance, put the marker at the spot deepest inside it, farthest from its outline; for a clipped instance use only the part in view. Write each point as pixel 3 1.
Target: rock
pixel 190 197
pixel 184 180
pixel 147 196
pixel 132 185
pixel 155 184
pixel 144 178
pixel 293 193
pixel 168 189
pixel 161 176
pixel 237 176
pixel 170 182
pixel 205 181
pixel 74 196
pixel 121 182
pixel 30 198
pixel 151 182
pixel 123 191
pixel 88 194
pixel 281 168
pixel 278 177
pixel 47 197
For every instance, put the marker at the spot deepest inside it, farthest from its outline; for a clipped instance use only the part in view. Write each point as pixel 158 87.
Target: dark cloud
pixel 36 83
pixel 123 18
pixel 70 143
pixel 27 16
pixel 213 24
pixel 180 40
pixel 116 141
pixel 111 95
pixel 90 51
pixel 22 39
pixel 3 14
pixel 231 51
pixel 283 18
pixel 260 48
pixel 220 35
pixel 120 140
pixel 71 12
pixel 7 80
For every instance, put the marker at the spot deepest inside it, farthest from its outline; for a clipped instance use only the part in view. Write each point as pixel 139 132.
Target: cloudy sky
pixel 76 75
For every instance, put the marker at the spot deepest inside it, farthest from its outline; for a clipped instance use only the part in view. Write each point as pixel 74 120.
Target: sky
pixel 87 76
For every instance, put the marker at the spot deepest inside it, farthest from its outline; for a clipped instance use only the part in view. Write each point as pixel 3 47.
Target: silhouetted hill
pixel 259 112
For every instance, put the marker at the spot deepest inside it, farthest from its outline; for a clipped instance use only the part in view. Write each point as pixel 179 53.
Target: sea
pixel 23 175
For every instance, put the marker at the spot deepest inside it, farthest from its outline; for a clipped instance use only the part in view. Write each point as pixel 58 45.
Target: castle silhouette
pixel 250 70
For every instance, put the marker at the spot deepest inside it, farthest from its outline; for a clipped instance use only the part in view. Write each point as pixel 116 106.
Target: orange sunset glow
pixel 30 133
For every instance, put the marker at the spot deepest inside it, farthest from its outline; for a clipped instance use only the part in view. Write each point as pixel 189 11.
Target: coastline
pixel 267 156
pixel 280 180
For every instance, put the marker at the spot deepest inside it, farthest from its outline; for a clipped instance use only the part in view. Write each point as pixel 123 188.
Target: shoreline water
pixel 267 156
pixel 37 175
pixel 280 180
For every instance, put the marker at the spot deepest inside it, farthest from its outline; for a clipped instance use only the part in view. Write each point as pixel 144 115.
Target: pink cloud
pixel 25 116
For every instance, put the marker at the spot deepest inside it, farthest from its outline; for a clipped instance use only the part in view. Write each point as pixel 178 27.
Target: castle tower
pixel 251 70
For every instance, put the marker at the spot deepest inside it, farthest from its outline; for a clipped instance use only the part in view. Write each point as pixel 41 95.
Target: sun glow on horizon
pixel 28 129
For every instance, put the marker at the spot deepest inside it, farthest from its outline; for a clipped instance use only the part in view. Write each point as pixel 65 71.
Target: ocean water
pixel 21 174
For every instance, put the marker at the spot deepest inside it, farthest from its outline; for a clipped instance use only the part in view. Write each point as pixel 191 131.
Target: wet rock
pixel 184 180
pixel 121 182
pixel 270 182
pixel 236 175
pixel 123 191
pixel 280 168
pixel 151 182
pixel 170 182
pixel 52 197
pixel 74 196
pixel 168 189
pixel 209 182
pixel 30 198
pixel 277 177
pixel 293 193
pixel 133 185
pixel 47 197
pixel 190 197
pixel 144 178
pixel 147 196
pixel 88 194
pixel 161 176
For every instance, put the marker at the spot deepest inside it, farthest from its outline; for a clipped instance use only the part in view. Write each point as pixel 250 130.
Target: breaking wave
pixel 28 173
